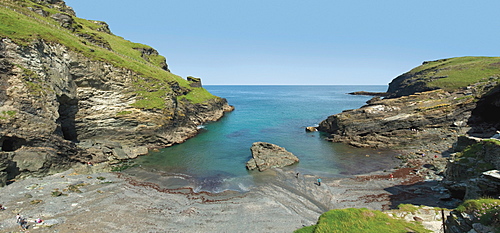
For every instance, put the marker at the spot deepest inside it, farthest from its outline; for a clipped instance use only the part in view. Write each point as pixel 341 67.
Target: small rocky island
pixel 266 155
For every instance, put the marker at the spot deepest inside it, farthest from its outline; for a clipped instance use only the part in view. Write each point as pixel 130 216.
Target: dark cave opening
pixel 68 107
pixel 486 113
pixel 12 143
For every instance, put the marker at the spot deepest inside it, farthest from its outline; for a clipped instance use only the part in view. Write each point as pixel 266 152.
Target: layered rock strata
pixel 51 98
pixel 417 120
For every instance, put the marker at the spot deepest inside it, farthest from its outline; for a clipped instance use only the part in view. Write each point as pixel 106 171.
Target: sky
pixel 290 42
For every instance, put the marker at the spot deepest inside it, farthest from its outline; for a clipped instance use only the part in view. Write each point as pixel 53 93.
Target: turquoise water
pixel 216 157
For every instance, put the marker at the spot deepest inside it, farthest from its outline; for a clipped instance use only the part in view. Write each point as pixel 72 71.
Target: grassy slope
pixel 360 220
pixel 24 26
pixel 459 72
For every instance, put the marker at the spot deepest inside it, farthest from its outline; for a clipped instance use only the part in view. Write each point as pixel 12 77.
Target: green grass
pixel 459 72
pixel 152 80
pixel 485 211
pixel 197 95
pixel 9 113
pixel 361 220
pixel 471 151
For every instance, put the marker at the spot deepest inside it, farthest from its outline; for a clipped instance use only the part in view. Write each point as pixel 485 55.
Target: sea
pixel 215 159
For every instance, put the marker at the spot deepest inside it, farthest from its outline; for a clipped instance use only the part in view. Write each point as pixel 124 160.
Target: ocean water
pixel 215 159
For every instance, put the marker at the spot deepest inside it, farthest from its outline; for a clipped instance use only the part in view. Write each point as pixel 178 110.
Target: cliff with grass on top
pixel 427 107
pixel 71 92
pixel 443 111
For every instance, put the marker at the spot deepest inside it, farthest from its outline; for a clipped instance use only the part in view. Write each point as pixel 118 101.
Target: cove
pixel 215 159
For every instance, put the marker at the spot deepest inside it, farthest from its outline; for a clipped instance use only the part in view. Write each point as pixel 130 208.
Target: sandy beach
pixel 76 201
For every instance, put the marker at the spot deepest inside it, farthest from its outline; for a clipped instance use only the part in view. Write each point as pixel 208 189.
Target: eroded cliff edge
pixel 429 105
pixel 443 112
pixel 82 94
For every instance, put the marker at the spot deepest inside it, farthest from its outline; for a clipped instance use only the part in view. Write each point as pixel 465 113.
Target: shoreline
pixel 279 202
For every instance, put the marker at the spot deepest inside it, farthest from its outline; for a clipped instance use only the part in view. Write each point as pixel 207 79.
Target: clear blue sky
pixel 301 42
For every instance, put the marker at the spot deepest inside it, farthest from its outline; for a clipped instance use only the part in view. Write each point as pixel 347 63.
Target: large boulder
pixel 266 155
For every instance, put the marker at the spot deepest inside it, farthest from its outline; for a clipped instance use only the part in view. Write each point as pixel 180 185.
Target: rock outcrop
pixel 427 110
pixel 61 105
pixel 472 172
pixel 408 121
pixel 266 155
pixel 458 222
pixel 419 118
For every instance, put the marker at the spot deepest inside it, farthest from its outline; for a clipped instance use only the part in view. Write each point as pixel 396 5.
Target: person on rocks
pixel 2 207
pixel 319 181
pixel 21 221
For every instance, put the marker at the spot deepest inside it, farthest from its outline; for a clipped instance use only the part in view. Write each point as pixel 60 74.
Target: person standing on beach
pixel 21 222
pixel 319 181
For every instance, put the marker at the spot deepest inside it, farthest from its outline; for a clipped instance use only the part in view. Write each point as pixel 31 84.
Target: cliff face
pixel 425 107
pixel 411 121
pixel 60 104
pixel 428 110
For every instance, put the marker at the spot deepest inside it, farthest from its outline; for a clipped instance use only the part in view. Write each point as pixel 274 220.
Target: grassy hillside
pixel 448 74
pixel 460 72
pixel 21 24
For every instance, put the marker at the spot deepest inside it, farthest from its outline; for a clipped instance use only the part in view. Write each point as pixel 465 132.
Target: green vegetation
pixel 86 37
pixel 9 113
pixel 197 95
pixel 471 151
pixel 474 157
pixel 408 208
pixel 360 220
pixel 454 73
pixel 485 211
pixel 123 166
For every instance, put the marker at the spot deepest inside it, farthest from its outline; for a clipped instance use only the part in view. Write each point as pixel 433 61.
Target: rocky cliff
pixel 436 109
pixel 430 105
pixel 473 170
pixel 71 91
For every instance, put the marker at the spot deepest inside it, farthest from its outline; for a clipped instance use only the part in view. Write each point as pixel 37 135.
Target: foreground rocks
pixel 115 202
pixel 266 155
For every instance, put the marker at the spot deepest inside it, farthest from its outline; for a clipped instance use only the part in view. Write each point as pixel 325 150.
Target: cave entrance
pixel 68 107
pixel 12 143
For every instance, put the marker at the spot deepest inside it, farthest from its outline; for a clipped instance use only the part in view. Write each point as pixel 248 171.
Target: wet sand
pixel 280 202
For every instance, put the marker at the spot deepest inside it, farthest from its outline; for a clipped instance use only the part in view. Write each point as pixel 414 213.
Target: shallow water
pixel 215 159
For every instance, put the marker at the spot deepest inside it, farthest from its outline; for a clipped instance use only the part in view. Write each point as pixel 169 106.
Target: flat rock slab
pixel 266 155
